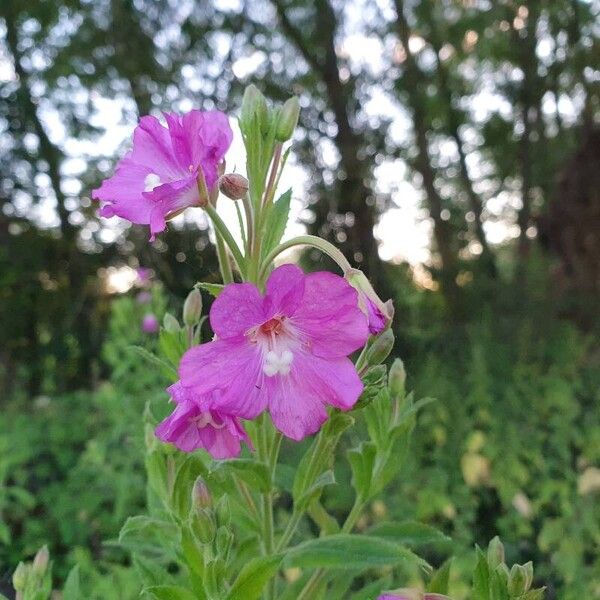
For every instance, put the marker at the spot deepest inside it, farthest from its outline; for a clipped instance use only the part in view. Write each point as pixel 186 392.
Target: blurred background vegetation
pixel 470 124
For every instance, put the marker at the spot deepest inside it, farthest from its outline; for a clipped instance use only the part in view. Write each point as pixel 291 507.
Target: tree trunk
pixel 453 122
pixel 48 151
pixel 353 191
pixel 441 228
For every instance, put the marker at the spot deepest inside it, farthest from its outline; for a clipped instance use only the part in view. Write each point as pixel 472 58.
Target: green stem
pixel 221 228
pixel 223 258
pixel 306 240
pixel 289 531
pixel 241 223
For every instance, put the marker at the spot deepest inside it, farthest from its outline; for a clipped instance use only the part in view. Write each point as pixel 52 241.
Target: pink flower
pixel 286 351
pixel 195 424
pixel 150 323
pixel 158 177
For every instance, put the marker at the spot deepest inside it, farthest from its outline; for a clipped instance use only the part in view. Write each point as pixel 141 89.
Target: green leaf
pixel 326 522
pixel 319 456
pixel 276 221
pixel 481 577
pixel 254 473
pixel 187 474
pixel 439 581
pixel 253 577
pixel 150 572
pixel 71 589
pixel 314 491
pixel 214 289
pixel 370 591
pixel 347 551
pixel 409 533
pixel 170 592
pixel 156 468
pixel 172 345
pixel 147 534
pixel 362 462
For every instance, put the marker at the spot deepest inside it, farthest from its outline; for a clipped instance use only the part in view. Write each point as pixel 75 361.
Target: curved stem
pixel 227 237
pixel 306 240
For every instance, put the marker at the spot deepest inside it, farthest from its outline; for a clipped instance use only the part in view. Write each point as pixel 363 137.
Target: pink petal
pixel 284 290
pixel 237 308
pixel 124 192
pixel 234 367
pixel 297 401
pixel 296 410
pixel 330 317
pixel 152 148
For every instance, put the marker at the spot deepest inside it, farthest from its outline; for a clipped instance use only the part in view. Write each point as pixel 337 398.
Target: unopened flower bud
pixel 19 578
pixel 495 553
pixel 223 512
pixel 397 379
pixel 170 323
pixel 520 579
pixel 379 314
pixel 201 496
pixel 380 348
pixel 254 106
pixel 203 525
pixel 234 186
pixel 40 562
pixel 287 120
pixel 192 308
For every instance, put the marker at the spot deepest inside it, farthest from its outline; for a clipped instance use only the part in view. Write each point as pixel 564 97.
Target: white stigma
pixel 151 181
pixel 277 363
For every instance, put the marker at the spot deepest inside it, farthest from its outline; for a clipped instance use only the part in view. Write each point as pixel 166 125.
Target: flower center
pixel 151 181
pixel 277 341
pixel 273 326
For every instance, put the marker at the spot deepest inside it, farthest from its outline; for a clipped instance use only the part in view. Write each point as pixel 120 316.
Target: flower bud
pixel 254 106
pixel 379 314
pixel 520 579
pixel 19 578
pixel 40 562
pixel 223 512
pixel 170 323
pixel 234 186
pixel 380 349
pixel 203 525
pixel 495 553
pixel 201 496
pixel 287 120
pixel 192 308
pixel 397 379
